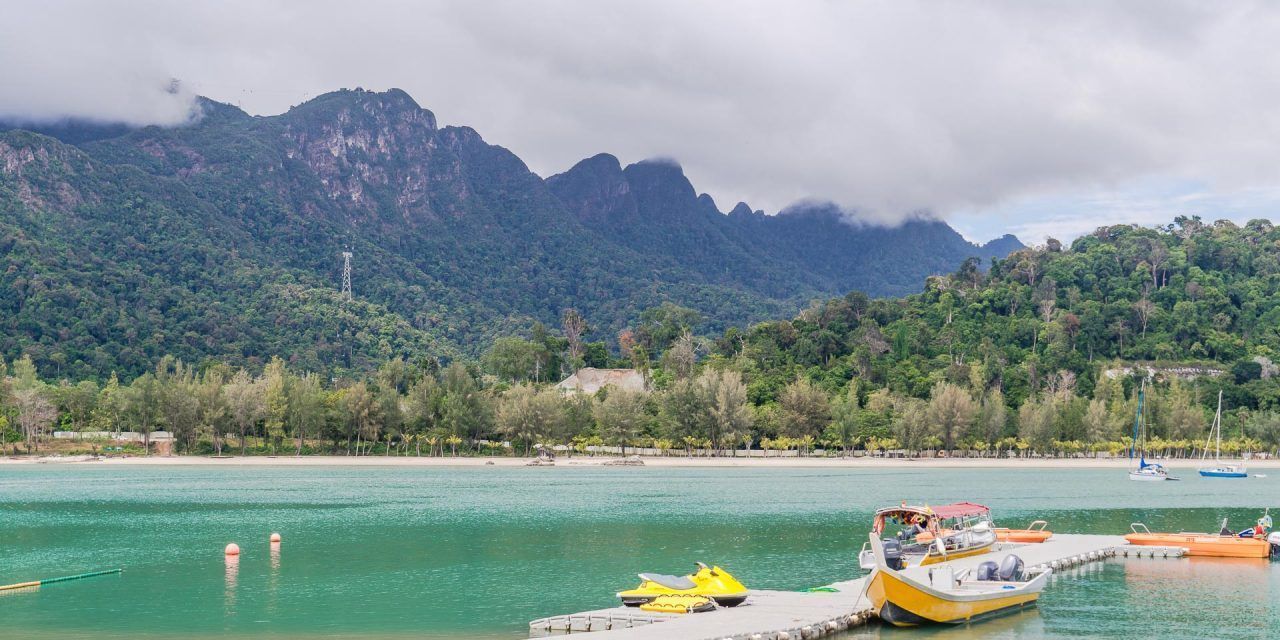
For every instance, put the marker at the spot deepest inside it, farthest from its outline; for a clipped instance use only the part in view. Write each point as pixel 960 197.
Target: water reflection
pixel 232 564
pixel 1020 624
pixel 1226 593
pixel 273 581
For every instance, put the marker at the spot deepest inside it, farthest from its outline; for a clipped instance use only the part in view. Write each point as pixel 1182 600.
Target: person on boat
pixel 917 524
pixel 1259 529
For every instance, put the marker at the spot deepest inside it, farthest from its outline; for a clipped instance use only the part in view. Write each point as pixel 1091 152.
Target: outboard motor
pixel 893 554
pixel 988 571
pixel 1274 539
pixel 1011 569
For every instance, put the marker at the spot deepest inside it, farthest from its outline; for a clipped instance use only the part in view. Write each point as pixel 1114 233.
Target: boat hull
pixel 899 617
pixel 1146 477
pixel 904 604
pixel 1204 544
pixel 1033 536
pixel 1222 473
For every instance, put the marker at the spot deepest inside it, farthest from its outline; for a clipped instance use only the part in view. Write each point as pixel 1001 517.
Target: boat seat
pixel 668 581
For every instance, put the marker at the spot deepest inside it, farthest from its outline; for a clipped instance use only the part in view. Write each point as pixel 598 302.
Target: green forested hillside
pixel 1021 351
pixel 109 269
pixel 221 239
pixel 1043 354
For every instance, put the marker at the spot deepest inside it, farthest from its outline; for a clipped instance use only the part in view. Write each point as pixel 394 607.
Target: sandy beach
pixel 588 461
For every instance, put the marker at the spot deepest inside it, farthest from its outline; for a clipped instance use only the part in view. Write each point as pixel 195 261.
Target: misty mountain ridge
pixel 221 238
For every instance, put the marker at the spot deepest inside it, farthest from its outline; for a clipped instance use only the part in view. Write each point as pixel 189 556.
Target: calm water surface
pixel 478 552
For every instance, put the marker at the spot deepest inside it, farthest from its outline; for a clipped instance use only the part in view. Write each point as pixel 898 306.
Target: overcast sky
pixel 1035 118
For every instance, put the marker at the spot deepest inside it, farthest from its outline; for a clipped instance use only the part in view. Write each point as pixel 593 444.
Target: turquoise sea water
pixel 478 552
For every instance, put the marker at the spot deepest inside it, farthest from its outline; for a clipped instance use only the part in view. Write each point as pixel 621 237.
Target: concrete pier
pixel 789 615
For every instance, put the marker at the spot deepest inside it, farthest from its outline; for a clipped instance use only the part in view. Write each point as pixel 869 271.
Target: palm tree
pixel 689 443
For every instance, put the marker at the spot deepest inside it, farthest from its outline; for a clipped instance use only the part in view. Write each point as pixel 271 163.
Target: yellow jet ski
pixel 712 582
pixel 673 603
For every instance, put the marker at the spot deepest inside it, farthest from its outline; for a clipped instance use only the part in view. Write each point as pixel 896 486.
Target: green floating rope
pixel 36 583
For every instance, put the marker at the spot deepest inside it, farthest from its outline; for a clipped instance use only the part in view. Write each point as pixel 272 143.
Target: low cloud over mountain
pixel 886 108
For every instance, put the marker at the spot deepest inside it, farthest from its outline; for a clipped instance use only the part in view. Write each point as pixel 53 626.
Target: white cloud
pixel 887 107
pixel 1066 216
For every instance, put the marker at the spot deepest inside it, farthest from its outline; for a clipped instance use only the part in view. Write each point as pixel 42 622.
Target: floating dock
pixel 791 615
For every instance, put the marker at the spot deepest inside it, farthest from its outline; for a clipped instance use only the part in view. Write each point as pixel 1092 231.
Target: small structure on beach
pixel 589 380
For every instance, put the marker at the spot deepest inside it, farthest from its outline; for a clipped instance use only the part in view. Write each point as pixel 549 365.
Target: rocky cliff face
pixel 454 237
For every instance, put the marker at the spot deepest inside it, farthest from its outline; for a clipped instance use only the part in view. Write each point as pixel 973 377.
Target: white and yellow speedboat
pixel 930 535
pixel 937 595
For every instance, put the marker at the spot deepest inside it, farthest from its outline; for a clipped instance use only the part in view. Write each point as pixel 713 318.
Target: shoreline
pixel 1183 465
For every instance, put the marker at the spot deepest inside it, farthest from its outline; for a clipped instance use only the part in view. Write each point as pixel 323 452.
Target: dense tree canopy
pixel 1044 352
pixel 222 239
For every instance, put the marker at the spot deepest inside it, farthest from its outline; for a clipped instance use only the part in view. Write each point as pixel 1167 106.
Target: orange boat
pixel 1034 533
pixel 1213 545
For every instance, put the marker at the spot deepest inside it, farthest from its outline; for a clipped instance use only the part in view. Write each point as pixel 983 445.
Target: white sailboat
pixel 1219 470
pixel 1145 471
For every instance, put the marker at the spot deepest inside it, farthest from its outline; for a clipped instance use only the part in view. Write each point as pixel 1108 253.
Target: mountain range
pixel 222 239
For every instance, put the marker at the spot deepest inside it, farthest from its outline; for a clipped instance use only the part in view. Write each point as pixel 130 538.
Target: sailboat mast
pixel 1213 431
pixel 1137 419
pixel 1217 423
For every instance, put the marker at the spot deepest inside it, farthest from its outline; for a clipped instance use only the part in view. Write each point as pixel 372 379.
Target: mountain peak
pixel 210 110
pixel 350 105
pixel 662 179
pixel 601 165
pixel 594 189
pixel 708 203
pixel 1003 246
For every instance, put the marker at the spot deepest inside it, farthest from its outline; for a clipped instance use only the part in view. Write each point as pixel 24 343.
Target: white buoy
pixel 232 549
pixel 275 538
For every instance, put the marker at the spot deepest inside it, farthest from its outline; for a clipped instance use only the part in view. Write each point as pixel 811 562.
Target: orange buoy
pixel 233 549
pixel 275 537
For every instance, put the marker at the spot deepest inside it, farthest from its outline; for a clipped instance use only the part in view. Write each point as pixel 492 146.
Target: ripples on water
pixel 477 552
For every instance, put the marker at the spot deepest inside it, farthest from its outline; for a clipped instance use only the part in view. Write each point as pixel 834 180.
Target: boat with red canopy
pixel 926 535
